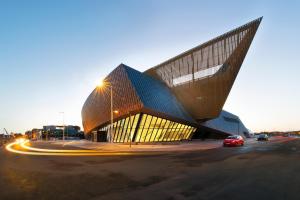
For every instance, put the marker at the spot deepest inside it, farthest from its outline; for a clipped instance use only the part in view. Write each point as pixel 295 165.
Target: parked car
pixel 262 137
pixel 233 140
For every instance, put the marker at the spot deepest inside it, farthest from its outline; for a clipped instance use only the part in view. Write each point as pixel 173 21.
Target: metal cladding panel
pixel 228 123
pixel 202 77
pixel 96 109
pixel 132 91
pixel 156 96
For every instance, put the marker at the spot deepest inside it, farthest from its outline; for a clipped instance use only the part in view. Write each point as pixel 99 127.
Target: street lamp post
pixel 111 114
pixel 102 84
pixel 130 129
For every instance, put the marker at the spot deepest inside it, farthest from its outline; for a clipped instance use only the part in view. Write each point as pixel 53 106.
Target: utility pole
pixel 63 125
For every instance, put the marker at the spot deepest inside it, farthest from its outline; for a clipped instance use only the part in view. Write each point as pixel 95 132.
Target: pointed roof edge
pixel 258 20
pixel 108 75
pixel 126 68
pixel 184 114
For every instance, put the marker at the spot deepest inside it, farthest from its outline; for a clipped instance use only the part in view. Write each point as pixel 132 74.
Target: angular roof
pixel 228 123
pixel 155 95
pixel 201 78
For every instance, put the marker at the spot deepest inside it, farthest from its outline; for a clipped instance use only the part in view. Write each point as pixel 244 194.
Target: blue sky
pixel 53 52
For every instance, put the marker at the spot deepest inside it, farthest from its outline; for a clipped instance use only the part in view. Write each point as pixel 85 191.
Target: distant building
pixel 34 133
pixel 55 131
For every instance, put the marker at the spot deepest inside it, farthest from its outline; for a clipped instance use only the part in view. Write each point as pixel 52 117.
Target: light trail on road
pixel 23 145
pixel 58 152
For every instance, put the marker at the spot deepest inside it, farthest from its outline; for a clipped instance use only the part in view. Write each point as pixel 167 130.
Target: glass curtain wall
pixel 151 129
pixel 154 129
pixel 123 129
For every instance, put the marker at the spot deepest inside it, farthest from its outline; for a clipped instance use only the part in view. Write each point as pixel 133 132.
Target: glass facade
pixel 148 128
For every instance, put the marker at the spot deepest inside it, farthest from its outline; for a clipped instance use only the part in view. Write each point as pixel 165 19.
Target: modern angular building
pixel 225 124
pixel 173 100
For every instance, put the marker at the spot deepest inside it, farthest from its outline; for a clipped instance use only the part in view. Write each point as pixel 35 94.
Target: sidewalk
pixel 179 146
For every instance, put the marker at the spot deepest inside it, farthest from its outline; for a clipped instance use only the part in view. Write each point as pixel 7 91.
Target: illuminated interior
pixel 148 128
pixel 197 75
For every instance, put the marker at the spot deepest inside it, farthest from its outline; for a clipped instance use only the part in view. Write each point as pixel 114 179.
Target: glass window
pixel 114 129
pixel 129 128
pixel 120 130
pixel 168 132
pixel 123 127
pixel 151 129
pixel 165 129
pixel 134 124
pixel 155 129
pixel 178 131
pixel 116 132
pixel 160 129
pixel 187 129
pixel 124 134
pixel 141 128
pixel 136 119
pixel 188 133
pixel 173 132
pixel 146 128
pixel 183 132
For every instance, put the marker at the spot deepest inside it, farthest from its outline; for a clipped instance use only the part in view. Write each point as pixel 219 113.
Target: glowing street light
pixel 103 84
pixel 100 83
pixel 116 112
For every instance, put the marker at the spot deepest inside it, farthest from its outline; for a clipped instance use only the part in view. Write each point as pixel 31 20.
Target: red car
pixel 233 140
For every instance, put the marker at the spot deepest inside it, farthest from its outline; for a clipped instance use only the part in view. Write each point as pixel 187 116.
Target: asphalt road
pixel 264 170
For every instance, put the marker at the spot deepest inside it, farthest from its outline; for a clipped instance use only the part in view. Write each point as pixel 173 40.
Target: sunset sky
pixel 52 53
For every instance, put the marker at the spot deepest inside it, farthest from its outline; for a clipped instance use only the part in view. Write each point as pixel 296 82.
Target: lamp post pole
pixel 110 134
pixel 130 129
pixel 111 114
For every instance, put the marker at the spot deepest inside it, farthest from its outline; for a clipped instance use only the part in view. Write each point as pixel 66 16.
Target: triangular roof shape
pixel 201 78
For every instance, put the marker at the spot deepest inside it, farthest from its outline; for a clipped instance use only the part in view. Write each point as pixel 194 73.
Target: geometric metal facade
pixel 202 77
pixel 167 102
pixel 96 109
